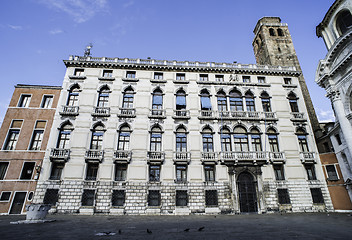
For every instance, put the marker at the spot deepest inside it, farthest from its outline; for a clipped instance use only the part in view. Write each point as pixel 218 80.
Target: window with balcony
pixel 219 78
pixel 131 74
pixel 64 136
pixel 265 102
pixel 96 142
pixel 181 140
pixel 3 169
pixel 155 139
pixel 288 81
pixel 246 79
pixel 207 136
pixel 181 198
pixel 180 76
pixel 124 138
pixel 241 139
pixel 79 72
pixel 180 100
pixel 27 170
pixel 103 98
pixel 211 198
pixel 47 101
pixel 344 21
pixel 279 171
pixel 205 100
pixel 118 198
pixel 256 140
pixel 209 173
pixel 317 195
pixel 24 100
pixel 261 79
pixel 92 171
pixel 107 73
pixel 225 140
pixel 154 198
pixel 158 76
pixel 12 135
pixel 292 98
pixel 273 140
pixel 88 197
pixel 283 196
pixel 331 172
pixel 154 173
pixel 56 170
pixel 310 169
pixel 157 104
pixel 120 172
pixel 73 94
pixel 302 140
pixel 236 103
pixel 250 101
pixel 181 173
pixel 222 101
pixel 203 77
pixel 37 136
pixel 128 96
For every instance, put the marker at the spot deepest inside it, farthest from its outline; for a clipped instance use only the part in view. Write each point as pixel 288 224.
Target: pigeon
pixel 149 231
pixel 200 229
pixel 186 230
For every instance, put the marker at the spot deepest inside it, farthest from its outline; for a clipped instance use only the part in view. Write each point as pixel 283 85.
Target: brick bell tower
pixel 273 45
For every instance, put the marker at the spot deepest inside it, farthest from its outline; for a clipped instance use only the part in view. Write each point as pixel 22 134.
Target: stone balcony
pixel 59 154
pixel 156 156
pixel 93 155
pixel 157 113
pixel 206 114
pixel 69 110
pixel 237 115
pixel 253 158
pixel 209 157
pixel 308 157
pixel 81 77
pixel 130 79
pixel 277 157
pixel 122 156
pixel 101 112
pixel 182 157
pixel 181 114
pixel 298 116
pixel 127 112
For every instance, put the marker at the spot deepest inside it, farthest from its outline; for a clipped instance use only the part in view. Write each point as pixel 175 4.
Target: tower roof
pixel 268 21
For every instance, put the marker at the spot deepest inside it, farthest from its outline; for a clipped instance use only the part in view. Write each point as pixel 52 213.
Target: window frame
pixel 25 176
pixel 44 102
pixel 181 198
pixel 120 172
pixel 317 196
pixel 209 173
pixel 181 172
pixel 208 202
pixel 154 173
pixel 283 196
pixel 56 167
pixel 154 195
pixel 310 171
pixel 85 194
pixel 119 197
pixel 34 139
pixel 5 200
pixel 12 129
pixel 21 99
pixel 279 172
pixel 91 171
pixel 3 176
pixel 335 176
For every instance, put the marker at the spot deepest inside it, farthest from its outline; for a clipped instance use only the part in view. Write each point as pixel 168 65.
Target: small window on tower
pixel 280 32
pixel 272 32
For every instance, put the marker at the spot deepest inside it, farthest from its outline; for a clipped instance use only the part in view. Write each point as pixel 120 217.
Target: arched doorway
pixel 247 193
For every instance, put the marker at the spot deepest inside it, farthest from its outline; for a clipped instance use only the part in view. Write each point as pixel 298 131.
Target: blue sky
pixel 36 35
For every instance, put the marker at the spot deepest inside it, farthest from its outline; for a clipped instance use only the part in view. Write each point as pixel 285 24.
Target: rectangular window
pixel 120 172
pixel 37 136
pixel 3 169
pixel 246 79
pixel 181 198
pixel 13 134
pixel 92 171
pixel 79 72
pixel 261 79
pixel 317 195
pixel 283 196
pixel 88 197
pixel 131 74
pixel 27 170
pixel 154 173
pixel 219 78
pixel 180 76
pixel 287 80
pixel 24 100
pixel 338 139
pixel 56 171
pixel 181 173
pixel 332 174
pixel 5 196
pixel 47 101
pixel 209 172
pixel 158 76
pixel 107 73
pixel 154 198
pixel 211 198
pixel 203 77
pixel 51 196
pixel 310 171
pixel 274 144
pixel 279 171
pixel 256 143
pixel 118 198
pixel 207 143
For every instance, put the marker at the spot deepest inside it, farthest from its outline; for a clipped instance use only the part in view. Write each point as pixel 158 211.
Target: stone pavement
pixel 267 226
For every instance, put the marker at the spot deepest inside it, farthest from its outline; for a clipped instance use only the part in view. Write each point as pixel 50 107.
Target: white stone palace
pixel 145 136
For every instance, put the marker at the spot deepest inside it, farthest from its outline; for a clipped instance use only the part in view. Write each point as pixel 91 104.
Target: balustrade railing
pixel 297 116
pixel 156 155
pixel 158 113
pixel 127 112
pixel 101 111
pixel 123 155
pixel 181 113
pixel 69 110
pixel 307 157
pixel 209 156
pixel 93 154
pixel 182 156
pixel 60 153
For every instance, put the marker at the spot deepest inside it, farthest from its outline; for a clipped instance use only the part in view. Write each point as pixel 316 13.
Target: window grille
pixel 88 197
pixel 211 198
pixel 154 198
pixel 317 195
pixel 118 198
pixel 283 196
pixel 181 198
pixel 51 196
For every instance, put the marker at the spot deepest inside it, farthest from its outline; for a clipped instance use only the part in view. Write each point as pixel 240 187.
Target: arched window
pixel 225 140
pixel 124 138
pixel 103 99
pixel 236 103
pixel 273 140
pixel 266 102
pixel 271 32
pixel 344 22
pixel 155 139
pixel 222 101
pixel 302 140
pixel 280 32
pixel 96 142
pixel 207 137
pixel 63 141
pixel 241 139
pixel 256 140
pixel 73 94
pixel 180 100
pixel 127 101
pixel 292 98
pixel 250 101
pixel 205 100
pixel 181 140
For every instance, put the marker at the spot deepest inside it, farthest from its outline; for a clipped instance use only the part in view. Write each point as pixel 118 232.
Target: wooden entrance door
pixel 17 203
pixel 247 192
